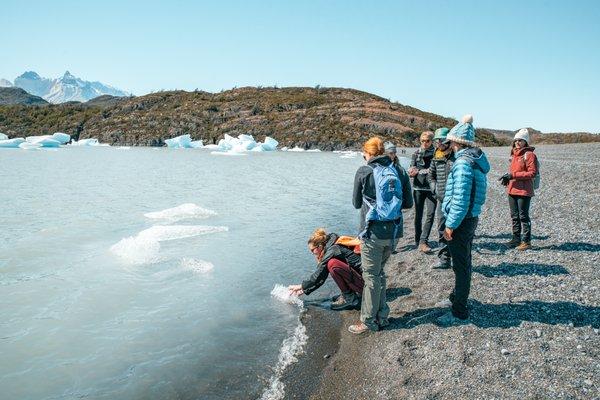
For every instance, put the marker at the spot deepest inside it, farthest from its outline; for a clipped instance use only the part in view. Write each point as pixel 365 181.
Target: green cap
pixel 441 133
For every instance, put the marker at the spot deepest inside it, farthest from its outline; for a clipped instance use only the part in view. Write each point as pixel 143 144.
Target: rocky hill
pixel 325 118
pixel 15 95
pixel 539 137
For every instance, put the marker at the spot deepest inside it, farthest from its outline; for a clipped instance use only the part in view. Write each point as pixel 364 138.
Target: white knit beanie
pixel 522 134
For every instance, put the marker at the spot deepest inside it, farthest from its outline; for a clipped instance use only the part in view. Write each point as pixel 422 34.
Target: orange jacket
pixel 523 169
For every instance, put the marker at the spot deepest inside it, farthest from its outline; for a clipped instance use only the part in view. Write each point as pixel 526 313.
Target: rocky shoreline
pixel 534 331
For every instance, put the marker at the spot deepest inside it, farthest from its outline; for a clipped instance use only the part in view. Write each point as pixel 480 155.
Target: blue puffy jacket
pixel 471 166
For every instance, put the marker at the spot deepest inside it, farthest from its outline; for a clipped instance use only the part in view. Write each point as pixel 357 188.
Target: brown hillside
pixel 322 118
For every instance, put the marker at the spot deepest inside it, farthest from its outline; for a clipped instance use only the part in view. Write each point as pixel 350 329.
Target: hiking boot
pixel 383 323
pixel 524 246
pixel 347 301
pixel 449 319
pixel 424 248
pixel 514 242
pixel 358 328
pixel 443 303
pixel 441 265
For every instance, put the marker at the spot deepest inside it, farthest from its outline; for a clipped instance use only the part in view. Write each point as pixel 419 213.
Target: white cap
pixel 522 134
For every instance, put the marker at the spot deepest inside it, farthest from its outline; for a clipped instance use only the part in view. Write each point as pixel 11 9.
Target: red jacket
pixel 523 169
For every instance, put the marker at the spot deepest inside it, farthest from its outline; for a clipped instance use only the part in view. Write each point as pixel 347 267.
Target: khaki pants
pixel 374 253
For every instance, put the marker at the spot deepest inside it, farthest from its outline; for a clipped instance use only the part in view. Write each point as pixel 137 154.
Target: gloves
pixel 505 178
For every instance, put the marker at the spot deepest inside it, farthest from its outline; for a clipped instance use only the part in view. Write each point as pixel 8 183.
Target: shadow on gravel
pixel 508 236
pixel 509 315
pixel 490 246
pixel 570 246
pixel 392 294
pixel 508 269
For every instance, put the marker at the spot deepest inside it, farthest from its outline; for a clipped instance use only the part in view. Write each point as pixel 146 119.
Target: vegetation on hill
pixel 15 95
pixel 325 118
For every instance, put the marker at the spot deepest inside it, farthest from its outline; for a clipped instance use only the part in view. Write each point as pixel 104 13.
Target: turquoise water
pixel 102 301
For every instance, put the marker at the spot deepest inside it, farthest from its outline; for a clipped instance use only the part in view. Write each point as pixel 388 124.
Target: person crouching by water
pixel 519 184
pixel 424 200
pixel 339 260
pixel 464 197
pixel 439 169
pixel 380 192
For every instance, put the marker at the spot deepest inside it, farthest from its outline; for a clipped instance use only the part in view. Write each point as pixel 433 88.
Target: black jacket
pixel 421 159
pixel 364 185
pixel 438 174
pixel 332 250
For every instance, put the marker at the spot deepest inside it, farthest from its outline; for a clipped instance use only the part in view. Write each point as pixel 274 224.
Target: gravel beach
pixel 535 315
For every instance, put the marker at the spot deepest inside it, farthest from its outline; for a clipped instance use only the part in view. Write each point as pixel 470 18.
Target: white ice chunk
pixel 63 138
pixel 270 144
pixel 187 210
pixel 182 141
pixel 196 144
pixel 44 141
pixel 282 293
pixel 12 143
pixel 313 151
pixel 212 147
pixel 297 149
pixel 246 138
pixel 3 136
pixel 86 142
pixel 29 146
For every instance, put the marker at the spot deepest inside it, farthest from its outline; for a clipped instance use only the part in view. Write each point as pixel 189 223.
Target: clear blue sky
pixel 510 63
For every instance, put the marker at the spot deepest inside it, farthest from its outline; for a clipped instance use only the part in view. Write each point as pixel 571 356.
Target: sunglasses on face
pixel 425 140
pixel 314 250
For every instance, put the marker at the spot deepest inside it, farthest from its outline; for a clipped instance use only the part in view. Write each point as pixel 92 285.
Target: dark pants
pixel 443 252
pixel 346 277
pixel 424 201
pixel 460 251
pixel 519 213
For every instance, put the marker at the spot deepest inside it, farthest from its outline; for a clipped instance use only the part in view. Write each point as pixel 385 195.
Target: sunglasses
pixel 425 140
pixel 314 250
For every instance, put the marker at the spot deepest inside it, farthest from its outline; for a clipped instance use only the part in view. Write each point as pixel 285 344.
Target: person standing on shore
pixel 380 192
pixel 520 185
pixel 439 169
pixel 341 262
pixel 464 197
pixel 424 200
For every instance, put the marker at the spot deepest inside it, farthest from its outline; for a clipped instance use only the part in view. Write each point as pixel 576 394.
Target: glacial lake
pixel 146 273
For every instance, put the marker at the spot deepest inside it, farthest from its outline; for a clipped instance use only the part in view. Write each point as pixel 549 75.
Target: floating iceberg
pixel 196 144
pixel 297 149
pixel 86 142
pixel 184 211
pixel 179 142
pixel 3 136
pixel 11 143
pixel 29 146
pixel 63 138
pixel 44 141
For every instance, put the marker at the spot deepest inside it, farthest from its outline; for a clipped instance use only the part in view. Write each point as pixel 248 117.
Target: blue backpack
pixel 388 195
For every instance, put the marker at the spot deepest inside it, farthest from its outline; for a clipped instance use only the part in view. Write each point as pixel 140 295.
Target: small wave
pixel 144 247
pixel 198 266
pixel 291 348
pixel 187 210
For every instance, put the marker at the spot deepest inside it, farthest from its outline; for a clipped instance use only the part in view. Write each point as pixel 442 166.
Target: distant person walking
pixel 520 185
pixel 381 191
pixel 439 170
pixel 424 200
pixel 464 197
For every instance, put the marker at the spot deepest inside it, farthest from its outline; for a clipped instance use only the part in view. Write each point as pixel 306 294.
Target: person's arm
pixel 357 193
pixel 407 198
pixel 530 168
pixel 316 280
pixel 462 174
pixel 432 177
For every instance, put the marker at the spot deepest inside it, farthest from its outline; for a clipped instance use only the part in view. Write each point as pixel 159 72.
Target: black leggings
pixel 519 213
pixel 424 201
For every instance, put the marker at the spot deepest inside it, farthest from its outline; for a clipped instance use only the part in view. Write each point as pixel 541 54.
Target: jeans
pixel 424 201
pixel 519 213
pixel 345 277
pixel 460 251
pixel 443 252
pixel 374 253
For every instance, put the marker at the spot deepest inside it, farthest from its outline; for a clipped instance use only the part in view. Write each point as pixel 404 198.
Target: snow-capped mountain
pixel 65 88
pixel 5 83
